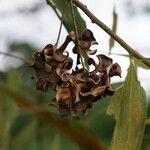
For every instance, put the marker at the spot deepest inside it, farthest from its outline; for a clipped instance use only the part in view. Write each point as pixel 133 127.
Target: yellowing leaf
pixel 128 106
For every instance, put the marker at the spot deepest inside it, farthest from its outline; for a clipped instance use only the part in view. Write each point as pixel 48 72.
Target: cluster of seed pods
pixel 76 90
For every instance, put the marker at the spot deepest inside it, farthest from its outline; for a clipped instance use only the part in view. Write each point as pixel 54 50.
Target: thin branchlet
pixel 14 56
pixel 76 31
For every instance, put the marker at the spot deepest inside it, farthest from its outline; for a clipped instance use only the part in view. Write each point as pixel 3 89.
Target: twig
pixel 76 31
pixel 94 19
pixel 50 3
pixel 59 33
pixel 14 56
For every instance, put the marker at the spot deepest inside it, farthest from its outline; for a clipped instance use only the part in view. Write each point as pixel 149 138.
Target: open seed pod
pixel 76 90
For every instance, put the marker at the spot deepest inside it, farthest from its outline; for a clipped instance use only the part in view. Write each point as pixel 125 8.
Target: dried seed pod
pixel 86 40
pixel 42 76
pixel 48 50
pixel 76 91
pixel 115 70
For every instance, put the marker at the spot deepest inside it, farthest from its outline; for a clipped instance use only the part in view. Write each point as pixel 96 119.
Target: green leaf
pixel 64 7
pixel 129 108
pixel 140 63
pixel 114 29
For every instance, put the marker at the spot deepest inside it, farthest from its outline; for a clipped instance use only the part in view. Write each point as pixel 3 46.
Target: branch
pixel 94 19
pixel 14 56
pixel 85 139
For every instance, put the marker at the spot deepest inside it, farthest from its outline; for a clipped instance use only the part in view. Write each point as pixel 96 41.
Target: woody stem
pixel 94 19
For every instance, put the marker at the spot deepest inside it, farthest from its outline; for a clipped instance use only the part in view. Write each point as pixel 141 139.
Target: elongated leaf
pixel 140 63
pixel 64 7
pixel 85 140
pixel 114 29
pixel 128 107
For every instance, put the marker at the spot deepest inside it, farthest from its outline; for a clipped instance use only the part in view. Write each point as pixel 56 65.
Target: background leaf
pixel 128 107
pixel 114 29
pixel 64 7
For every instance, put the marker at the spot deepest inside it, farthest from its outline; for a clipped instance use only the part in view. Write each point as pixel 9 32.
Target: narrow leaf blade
pixel 114 29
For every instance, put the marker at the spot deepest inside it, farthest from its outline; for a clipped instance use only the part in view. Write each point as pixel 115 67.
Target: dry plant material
pixel 76 90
